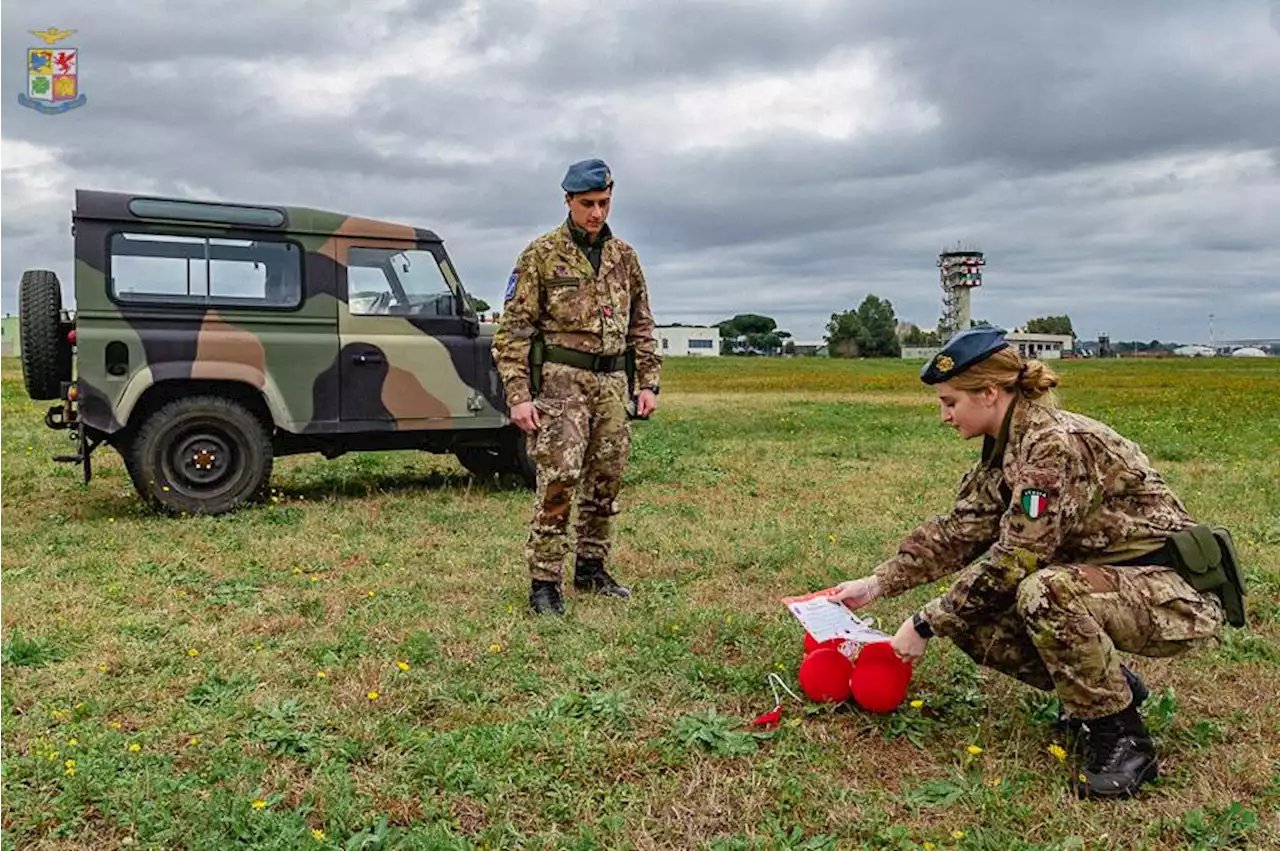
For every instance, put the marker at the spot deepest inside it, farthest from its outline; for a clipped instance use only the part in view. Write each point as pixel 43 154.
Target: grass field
pixel 350 665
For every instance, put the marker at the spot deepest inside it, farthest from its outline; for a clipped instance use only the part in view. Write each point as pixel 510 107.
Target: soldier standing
pixel 1085 552
pixel 575 321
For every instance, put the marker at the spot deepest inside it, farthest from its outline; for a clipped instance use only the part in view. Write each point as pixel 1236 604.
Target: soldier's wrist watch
pixel 921 625
pixel 652 388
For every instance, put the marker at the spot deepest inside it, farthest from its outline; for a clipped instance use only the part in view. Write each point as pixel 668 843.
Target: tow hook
pixel 56 417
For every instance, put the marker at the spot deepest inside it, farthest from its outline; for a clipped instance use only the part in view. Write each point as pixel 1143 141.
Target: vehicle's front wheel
pixel 201 455
pixel 510 458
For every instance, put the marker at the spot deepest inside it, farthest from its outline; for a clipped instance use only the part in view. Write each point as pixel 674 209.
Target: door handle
pixel 372 357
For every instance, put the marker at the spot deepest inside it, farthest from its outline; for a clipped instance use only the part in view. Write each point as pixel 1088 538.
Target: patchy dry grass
pixel 355 655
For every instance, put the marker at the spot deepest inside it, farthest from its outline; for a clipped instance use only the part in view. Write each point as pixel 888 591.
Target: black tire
pixel 46 352
pixel 201 455
pixel 509 459
pixel 523 465
pixel 483 462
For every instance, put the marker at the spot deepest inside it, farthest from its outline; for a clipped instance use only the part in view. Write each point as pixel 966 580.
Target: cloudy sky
pixel 1119 162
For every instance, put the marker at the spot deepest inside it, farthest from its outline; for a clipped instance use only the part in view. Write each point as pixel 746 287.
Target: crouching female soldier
pixel 1084 550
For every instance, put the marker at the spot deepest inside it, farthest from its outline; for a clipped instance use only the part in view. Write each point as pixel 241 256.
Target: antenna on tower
pixel 961 272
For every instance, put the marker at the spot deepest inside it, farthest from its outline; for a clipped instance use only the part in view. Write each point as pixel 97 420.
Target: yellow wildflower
pixel 371 593
pixel 373 695
pixel 193 652
pixel 115 725
pixel 73 742
pixel 193 741
pixel 1059 752
pixel 404 666
pixel 320 675
pixel 957 834
pixel 71 763
pixel 974 749
pixel 135 747
pixel 495 648
pixel 917 704
pixel 317 834
pixel 259 804
pixel 929 846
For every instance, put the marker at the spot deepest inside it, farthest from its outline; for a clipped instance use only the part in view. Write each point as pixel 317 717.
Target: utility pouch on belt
pixel 1206 559
pixel 537 356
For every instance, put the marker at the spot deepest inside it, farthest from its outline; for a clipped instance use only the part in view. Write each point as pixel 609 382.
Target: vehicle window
pixel 161 269
pixel 392 282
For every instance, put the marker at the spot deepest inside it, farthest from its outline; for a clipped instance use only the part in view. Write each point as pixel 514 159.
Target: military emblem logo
pixel 53 74
pixel 944 363
pixel 1034 502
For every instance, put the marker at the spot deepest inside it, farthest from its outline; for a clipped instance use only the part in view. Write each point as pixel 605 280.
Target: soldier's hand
pixel 856 593
pixel 646 404
pixel 525 416
pixel 909 644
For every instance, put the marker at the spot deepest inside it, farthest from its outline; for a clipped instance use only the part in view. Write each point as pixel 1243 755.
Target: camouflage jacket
pixel 553 291
pixel 1054 488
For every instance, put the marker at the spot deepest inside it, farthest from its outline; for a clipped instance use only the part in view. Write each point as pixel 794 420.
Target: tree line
pixel 871 330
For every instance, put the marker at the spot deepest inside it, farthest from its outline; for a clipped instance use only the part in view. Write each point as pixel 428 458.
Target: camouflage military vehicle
pixel 210 338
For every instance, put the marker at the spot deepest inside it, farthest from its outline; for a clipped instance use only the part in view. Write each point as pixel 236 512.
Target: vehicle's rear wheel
pixel 201 455
pixel 46 351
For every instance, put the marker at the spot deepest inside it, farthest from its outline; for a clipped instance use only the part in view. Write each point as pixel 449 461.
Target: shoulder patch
pixel 1034 502
pixel 511 284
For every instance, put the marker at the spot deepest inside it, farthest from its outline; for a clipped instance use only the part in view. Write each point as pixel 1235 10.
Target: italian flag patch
pixel 1034 502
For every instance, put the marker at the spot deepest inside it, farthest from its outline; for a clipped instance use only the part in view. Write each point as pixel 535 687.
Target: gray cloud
pixel 1117 162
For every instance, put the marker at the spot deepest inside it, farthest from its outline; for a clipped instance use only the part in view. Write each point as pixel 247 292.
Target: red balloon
pixel 824 675
pixel 879 679
pixel 811 644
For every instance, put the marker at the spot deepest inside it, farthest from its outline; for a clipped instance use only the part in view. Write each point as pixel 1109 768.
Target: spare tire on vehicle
pixel 46 351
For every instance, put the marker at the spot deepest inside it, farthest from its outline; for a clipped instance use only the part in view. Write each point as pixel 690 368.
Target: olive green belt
pixel 586 360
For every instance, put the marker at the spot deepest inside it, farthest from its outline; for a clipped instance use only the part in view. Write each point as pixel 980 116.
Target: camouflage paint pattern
pixel 554 292
pixel 580 449
pixel 422 372
pixel 1056 496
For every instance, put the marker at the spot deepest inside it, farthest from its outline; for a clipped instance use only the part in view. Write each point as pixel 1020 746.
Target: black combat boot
pixel 545 597
pixel 1121 757
pixel 589 575
pixel 1068 726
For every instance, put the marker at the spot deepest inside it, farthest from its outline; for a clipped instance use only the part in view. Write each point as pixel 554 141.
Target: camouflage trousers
pixel 1069 624
pixel 581 449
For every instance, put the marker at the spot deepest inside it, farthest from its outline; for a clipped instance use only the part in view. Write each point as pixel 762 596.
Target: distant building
pixel 1249 352
pixel 10 339
pixel 1195 351
pixel 1040 346
pixel 806 348
pixel 688 340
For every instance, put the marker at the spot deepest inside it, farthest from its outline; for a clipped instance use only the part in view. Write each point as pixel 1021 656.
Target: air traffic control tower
pixel 961 271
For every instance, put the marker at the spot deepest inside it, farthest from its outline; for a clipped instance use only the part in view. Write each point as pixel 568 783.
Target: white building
pixel 1195 351
pixel 688 340
pixel 1041 346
